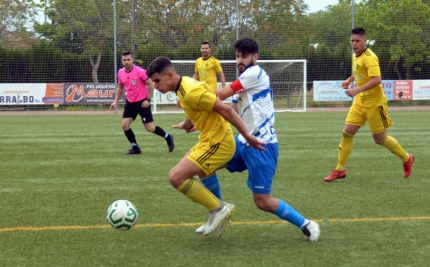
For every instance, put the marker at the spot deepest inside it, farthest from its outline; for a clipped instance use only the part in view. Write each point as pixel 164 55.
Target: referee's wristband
pixel 148 99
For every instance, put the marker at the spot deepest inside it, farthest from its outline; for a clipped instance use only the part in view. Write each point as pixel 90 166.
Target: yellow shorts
pixel 377 117
pixel 211 158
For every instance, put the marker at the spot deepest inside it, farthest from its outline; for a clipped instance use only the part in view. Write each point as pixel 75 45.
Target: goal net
pixel 287 78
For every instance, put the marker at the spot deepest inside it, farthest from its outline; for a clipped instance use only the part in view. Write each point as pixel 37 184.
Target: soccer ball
pixel 122 215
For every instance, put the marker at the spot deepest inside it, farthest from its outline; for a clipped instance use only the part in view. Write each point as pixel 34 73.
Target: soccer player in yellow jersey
pixel 370 104
pixel 207 67
pixel 216 145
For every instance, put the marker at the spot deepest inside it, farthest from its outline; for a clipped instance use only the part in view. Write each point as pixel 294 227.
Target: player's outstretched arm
pixel 231 116
pixel 224 92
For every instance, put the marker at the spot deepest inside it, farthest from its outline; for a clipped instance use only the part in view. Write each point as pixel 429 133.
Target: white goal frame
pixel 167 103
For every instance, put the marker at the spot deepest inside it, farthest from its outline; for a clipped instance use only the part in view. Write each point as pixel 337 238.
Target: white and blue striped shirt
pixel 255 105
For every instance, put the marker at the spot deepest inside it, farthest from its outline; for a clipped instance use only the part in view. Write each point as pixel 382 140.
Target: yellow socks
pixel 391 144
pixel 345 148
pixel 197 192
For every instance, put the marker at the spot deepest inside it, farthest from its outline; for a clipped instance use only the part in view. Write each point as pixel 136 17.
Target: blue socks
pixel 212 184
pixel 286 212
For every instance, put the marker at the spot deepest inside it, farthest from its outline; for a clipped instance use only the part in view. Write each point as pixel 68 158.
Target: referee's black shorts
pixel 131 110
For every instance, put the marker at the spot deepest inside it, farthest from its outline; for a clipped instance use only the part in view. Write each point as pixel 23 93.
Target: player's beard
pixel 128 67
pixel 246 66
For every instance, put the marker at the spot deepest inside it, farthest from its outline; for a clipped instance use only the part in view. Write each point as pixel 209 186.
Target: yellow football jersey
pixel 197 100
pixel 208 69
pixel 366 66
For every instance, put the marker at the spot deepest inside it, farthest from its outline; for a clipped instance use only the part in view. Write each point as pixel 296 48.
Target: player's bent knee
pixel 379 138
pixel 175 179
pixel 263 205
pixel 379 141
pixel 266 202
pixel 150 127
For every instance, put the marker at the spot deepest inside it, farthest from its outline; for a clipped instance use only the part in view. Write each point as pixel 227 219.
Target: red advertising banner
pixel 403 90
pixel 90 93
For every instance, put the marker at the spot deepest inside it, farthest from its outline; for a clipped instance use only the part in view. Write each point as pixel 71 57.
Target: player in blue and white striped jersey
pixel 256 102
pixel 253 96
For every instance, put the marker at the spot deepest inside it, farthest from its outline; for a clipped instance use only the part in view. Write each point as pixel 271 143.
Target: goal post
pixel 287 78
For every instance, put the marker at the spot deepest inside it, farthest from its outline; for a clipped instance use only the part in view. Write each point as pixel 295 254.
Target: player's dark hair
pixel 246 46
pixel 159 65
pixel 358 31
pixel 206 43
pixel 127 53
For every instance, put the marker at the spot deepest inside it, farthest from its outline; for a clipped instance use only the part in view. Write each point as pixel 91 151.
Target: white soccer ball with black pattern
pixel 122 215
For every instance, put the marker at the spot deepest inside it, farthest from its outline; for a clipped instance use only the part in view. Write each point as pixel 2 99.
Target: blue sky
pixel 316 5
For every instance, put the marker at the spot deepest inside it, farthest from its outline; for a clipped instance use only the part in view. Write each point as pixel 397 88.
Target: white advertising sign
pixel 329 91
pixel 22 94
pixel 421 89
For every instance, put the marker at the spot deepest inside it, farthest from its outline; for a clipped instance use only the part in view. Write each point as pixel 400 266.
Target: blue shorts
pixel 261 165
